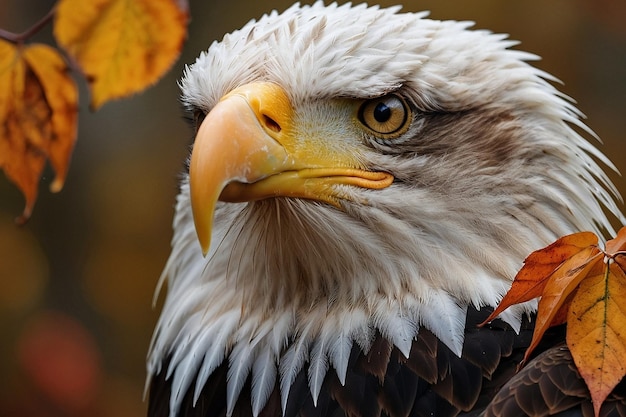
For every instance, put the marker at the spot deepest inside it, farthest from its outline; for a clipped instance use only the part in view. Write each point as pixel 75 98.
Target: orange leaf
pixel 530 281
pixel 122 46
pixel 616 248
pixel 560 316
pixel 618 244
pixel 38 116
pixel 558 289
pixel 596 330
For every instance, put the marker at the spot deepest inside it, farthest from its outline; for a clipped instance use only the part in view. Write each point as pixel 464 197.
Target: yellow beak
pixel 247 148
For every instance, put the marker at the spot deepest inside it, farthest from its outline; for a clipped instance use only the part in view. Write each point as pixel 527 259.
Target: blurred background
pixel 76 283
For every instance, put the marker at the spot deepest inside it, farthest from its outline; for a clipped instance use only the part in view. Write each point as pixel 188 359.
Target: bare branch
pixel 19 38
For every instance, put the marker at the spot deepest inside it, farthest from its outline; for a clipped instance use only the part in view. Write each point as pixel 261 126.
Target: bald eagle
pixel 362 188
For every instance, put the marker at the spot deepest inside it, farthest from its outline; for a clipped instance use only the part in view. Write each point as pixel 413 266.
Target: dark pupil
pixel 382 113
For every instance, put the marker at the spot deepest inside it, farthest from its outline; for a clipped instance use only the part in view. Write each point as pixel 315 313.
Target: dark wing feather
pixel 422 359
pixel 375 362
pixel 400 388
pixel 550 385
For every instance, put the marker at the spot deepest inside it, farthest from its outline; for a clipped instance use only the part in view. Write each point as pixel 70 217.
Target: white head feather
pixel 497 172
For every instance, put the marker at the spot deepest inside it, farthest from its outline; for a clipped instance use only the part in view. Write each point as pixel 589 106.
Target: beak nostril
pixel 271 124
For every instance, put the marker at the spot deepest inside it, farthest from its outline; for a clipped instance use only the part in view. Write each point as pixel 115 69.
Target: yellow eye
pixel 387 117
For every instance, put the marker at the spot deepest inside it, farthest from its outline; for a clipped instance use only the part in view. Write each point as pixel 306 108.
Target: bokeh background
pixel 76 283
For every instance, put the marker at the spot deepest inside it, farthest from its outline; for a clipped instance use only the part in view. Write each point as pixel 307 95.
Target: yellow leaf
pixel 596 331
pixel 61 96
pixel 122 46
pixel 38 116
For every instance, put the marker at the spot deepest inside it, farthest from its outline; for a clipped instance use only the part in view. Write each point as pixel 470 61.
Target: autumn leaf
pixel 531 280
pixel 618 244
pixel 586 289
pixel 121 46
pixel 38 117
pixel 596 327
pixel 559 288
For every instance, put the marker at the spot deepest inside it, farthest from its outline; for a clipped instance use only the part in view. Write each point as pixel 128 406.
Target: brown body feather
pixel 432 381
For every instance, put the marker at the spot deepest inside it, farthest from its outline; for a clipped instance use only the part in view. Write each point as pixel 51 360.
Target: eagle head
pixel 359 173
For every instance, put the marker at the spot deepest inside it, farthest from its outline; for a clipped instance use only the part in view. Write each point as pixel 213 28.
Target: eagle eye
pixel 387 117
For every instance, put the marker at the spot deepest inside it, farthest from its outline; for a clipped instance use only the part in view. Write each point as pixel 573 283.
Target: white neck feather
pixel 306 295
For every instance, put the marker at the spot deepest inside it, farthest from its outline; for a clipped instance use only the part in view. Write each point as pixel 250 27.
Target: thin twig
pixel 28 33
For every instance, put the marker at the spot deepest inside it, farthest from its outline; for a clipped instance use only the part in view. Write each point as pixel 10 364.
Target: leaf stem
pixel 610 257
pixel 20 38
